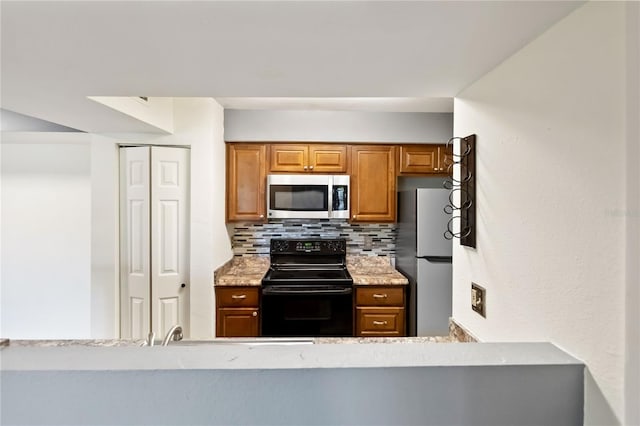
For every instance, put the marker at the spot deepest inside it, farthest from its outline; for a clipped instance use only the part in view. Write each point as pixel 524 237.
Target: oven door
pixel 307 311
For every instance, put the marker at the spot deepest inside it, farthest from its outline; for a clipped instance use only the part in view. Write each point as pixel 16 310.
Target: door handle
pixel 183 285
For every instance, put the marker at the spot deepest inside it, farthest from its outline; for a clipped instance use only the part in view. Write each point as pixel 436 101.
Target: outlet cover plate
pixel 478 299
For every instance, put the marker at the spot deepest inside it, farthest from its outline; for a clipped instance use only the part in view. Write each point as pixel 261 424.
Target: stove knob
pixel 280 246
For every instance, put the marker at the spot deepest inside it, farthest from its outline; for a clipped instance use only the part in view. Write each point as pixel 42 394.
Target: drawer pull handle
pixel 379 323
pixel 238 296
pixel 380 296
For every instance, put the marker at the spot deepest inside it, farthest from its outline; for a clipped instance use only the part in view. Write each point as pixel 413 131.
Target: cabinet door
pixel 420 159
pixel 246 182
pixel 288 158
pixel 380 321
pixel 373 183
pixel 237 322
pixel 328 158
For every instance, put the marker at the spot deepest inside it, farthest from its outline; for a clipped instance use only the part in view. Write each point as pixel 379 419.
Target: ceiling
pixel 370 55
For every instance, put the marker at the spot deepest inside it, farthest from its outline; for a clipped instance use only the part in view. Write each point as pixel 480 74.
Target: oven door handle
pixel 266 291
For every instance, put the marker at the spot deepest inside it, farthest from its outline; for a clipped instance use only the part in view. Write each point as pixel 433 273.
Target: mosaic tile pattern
pixel 371 239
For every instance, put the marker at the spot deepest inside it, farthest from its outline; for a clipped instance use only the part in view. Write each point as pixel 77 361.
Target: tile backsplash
pixel 372 239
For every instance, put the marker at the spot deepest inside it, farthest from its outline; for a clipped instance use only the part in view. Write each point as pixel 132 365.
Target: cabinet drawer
pixel 237 296
pixel 380 296
pixel 380 321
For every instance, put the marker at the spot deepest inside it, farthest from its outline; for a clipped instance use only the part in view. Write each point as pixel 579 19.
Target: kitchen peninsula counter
pixel 330 384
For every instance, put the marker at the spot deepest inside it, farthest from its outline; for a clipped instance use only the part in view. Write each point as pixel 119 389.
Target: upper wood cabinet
pixel 373 183
pixel 423 159
pixel 305 158
pixel 246 182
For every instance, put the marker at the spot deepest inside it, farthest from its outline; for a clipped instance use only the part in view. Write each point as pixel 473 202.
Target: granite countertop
pixel 457 334
pixel 245 270
pixel 365 270
pixel 374 270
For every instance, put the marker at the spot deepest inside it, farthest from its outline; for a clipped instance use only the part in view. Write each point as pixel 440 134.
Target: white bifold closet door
pixel 154 240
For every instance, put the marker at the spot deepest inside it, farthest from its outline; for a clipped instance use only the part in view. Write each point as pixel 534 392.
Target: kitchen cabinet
pixel 373 183
pixel 246 182
pixel 237 311
pixel 423 159
pixel 307 158
pixel 380 311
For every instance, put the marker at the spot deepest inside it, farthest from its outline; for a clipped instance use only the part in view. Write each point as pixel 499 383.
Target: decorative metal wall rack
pixel 464 184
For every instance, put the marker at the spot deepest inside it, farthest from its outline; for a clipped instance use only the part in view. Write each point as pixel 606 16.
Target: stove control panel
pixel 303 246
pixel 308 246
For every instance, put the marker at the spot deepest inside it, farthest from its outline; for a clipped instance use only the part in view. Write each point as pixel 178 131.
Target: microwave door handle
pixel 330 198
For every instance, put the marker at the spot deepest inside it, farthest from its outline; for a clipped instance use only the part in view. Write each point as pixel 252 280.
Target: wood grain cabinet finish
pixel 246 182
pixel 423 159
pixel 380 311
pixel 237 311
pixel 373 183
pixel 307 158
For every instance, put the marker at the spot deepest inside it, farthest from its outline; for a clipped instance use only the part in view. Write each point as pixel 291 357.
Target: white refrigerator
pixel 423 255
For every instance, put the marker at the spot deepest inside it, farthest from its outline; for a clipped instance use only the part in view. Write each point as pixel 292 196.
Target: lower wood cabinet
pixel 237 311
pixel 380 311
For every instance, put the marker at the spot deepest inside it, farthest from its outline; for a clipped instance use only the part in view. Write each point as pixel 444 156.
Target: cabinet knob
pixel 261 216
pixel 183 285
pixel 305 167
pixel 255 314
pixel 311 167
pixel 353 217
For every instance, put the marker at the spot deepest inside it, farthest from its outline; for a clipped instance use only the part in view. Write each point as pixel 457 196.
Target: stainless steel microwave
pixel 308 196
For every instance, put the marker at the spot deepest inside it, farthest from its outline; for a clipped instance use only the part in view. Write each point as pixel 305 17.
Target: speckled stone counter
pixel 245 270
pixel 365 340
pixel 103 343
pixel 374 270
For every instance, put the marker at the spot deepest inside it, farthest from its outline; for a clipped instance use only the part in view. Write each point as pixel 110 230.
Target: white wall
pixel 60 226
pixel 198 124
pixel 105 313
pixel 551 185
pixel 14 122
pixel 156 111
pixel 46 235
pixel 337 126
pixel 632 369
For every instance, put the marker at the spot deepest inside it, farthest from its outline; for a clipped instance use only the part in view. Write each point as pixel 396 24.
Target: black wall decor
pixel 465 185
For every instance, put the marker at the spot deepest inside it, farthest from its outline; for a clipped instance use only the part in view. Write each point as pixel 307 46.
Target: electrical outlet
pixel 478 299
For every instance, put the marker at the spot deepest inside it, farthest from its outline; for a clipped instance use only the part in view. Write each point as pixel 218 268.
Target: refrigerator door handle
pixel 436 259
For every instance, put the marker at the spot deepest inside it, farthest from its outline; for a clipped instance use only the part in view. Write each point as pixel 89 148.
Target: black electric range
pixel 308 290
